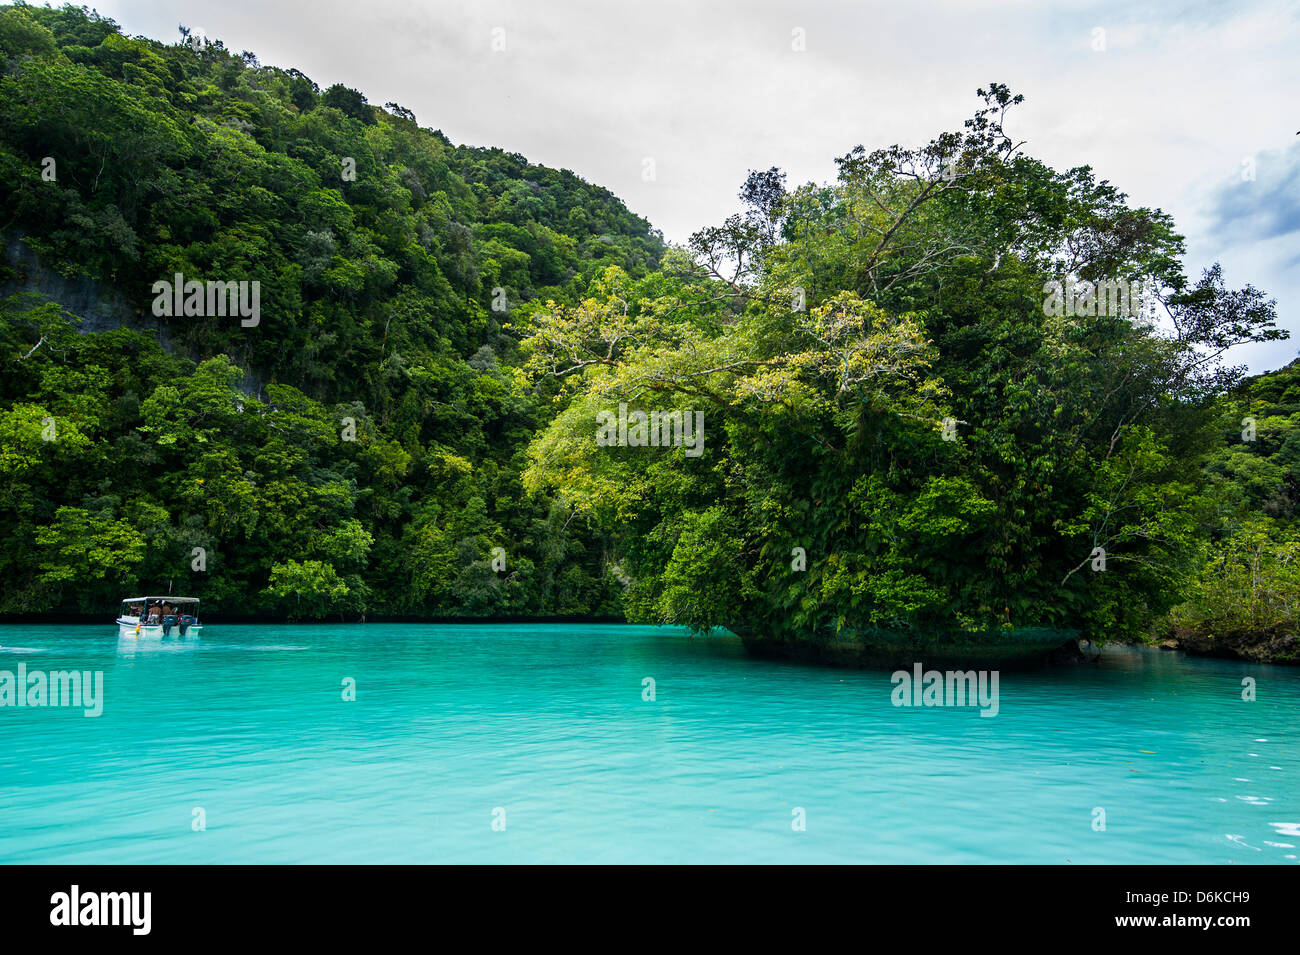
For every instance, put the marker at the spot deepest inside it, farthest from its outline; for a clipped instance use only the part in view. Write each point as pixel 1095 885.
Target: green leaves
pixel 881 389
pixel 699 586
pixel 89 555
pixel 311 588
pixel 1245 594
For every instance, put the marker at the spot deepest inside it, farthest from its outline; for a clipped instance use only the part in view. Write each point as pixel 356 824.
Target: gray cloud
pixel 1177 95
pixel 1265 207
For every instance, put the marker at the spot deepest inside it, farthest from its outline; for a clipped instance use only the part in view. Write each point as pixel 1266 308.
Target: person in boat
pixel 155 613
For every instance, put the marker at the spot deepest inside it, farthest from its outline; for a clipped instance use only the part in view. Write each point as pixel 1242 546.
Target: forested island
pixel 954 398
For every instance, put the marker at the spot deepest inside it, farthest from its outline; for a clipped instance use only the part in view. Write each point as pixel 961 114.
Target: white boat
pixel 143 618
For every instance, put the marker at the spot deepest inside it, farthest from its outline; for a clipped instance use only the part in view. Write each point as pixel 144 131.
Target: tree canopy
pixel 953 389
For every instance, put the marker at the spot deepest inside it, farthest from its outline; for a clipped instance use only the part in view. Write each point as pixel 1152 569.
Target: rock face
pixel 1272 645
pixel 99 307
pixel 1025 649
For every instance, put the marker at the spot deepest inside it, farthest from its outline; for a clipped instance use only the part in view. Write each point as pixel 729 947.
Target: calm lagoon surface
pixel 547 723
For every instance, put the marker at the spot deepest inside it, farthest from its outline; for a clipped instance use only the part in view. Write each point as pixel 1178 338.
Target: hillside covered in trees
pixel 954 392
pixel 380 249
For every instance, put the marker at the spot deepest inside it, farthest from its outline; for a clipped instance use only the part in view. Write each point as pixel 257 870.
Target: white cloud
pixel 1182 92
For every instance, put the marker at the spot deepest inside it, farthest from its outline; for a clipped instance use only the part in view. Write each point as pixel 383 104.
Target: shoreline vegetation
pixel 954 392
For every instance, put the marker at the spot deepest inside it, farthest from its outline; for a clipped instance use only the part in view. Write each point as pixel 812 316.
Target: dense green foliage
pixel 899 430
pixel 377 297
pixel 903 435
pixel 1248 586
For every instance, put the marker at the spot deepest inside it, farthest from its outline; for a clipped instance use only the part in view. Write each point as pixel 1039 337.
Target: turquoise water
pixel 547 723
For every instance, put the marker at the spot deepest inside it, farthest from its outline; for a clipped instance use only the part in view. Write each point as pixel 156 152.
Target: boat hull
pixel 130 629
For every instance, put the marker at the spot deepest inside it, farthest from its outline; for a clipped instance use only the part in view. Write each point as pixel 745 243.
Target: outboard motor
pixel 186 622
pixel 168 622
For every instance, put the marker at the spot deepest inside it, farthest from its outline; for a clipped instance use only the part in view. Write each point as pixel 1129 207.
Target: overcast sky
pixel 1172 102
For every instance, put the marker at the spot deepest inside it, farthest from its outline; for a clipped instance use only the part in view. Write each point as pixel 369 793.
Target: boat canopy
pixel 174 600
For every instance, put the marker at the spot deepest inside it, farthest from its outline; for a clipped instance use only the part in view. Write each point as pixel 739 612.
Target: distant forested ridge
pixel 953 392
pixel 1244 598
pixel 380 249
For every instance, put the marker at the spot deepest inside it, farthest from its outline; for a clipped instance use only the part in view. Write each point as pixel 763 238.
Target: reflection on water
pixel 553 726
